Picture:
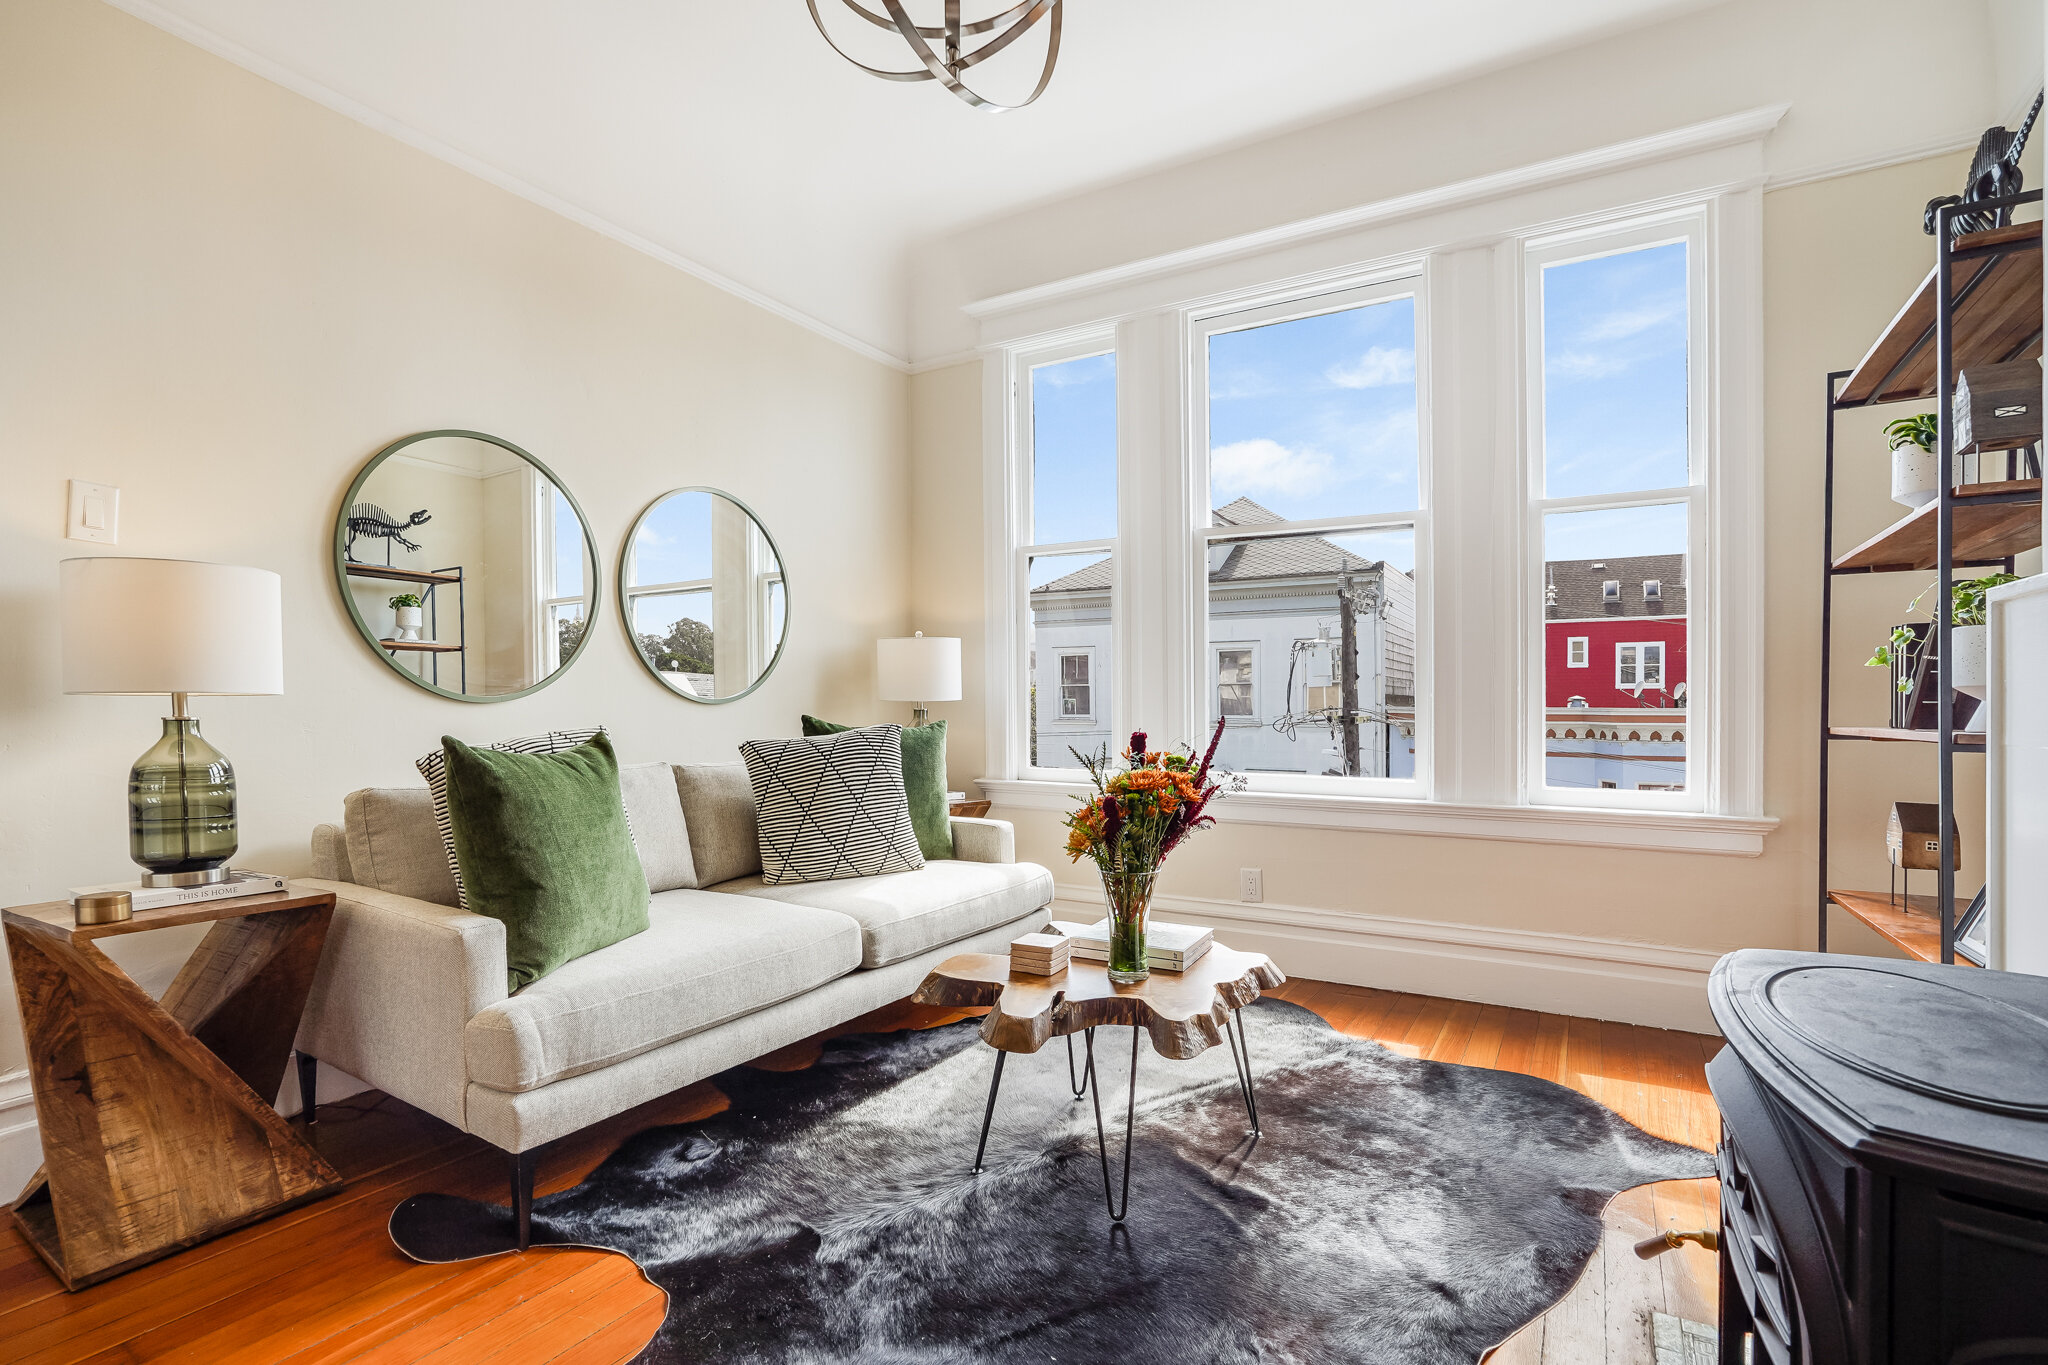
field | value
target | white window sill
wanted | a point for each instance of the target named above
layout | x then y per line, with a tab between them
1737	836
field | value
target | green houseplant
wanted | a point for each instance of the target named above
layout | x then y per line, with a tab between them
1913	464
1967	642
411	615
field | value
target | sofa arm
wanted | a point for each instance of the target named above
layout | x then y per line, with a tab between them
984	841
330	854
398	980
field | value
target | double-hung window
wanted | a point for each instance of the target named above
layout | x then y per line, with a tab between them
560	559
1617	495
1066	560
1308	536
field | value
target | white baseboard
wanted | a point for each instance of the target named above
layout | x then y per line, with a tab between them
21	1150
1595	978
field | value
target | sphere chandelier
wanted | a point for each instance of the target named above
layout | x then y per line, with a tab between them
950	64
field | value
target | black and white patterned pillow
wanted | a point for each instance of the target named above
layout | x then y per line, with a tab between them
832	806
434	767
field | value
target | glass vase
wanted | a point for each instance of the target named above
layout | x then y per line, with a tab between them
1130	900
181	803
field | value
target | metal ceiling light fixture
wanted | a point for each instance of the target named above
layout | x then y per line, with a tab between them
950	65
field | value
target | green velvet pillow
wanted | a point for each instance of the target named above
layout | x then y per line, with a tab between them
924	781
544	848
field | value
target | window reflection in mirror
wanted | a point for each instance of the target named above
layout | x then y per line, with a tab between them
466	565
702	590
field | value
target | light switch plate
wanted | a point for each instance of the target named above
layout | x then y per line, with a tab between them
94	513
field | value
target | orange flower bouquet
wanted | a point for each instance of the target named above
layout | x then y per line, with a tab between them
1145	802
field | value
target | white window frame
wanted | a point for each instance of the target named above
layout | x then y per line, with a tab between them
1578	651
1216	651
549	641
1470	243
1692	227
1653	590
1061	716
1015	405
1402	281
1640	653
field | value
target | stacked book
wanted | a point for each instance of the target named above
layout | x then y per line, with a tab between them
1040	954
239	882
1168	947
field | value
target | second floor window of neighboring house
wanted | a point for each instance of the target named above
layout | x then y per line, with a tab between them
1077	695
1576	652
1639	665
1234	682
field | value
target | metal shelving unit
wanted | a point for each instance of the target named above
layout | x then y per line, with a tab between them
431	580
1980	305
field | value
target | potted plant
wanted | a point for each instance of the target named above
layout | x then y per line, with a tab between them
1968	668
1145	802
410	615
1913	474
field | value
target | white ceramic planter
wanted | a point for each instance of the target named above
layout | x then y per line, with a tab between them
1913	481
409	621
1969	647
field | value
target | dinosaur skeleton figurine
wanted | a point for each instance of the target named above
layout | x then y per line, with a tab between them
368	519
1994	174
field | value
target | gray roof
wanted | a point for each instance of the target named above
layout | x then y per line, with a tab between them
1574	588
1248	560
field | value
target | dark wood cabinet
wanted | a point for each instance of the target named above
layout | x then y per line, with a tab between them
1884	1161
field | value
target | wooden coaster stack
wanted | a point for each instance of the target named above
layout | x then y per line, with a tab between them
1040	954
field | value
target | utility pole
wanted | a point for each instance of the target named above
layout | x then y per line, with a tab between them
1347	673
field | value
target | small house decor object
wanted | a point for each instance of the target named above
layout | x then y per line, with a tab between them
1145	802
1997	407
411	615
1045	954
367	519
1911	840
1994	174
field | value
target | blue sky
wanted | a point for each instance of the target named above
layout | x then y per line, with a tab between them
1073	455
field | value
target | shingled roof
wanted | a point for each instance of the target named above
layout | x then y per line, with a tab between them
1248	561
1574	589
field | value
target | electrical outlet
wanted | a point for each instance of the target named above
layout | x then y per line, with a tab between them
93	513
1251	885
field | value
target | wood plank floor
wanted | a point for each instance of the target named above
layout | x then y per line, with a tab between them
322	1285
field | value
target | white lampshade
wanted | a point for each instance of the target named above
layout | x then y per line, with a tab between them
921	668
156	626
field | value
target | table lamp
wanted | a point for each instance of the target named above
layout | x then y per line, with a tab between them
920	669
153	626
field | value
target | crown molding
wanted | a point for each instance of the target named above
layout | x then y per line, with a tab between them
1855	165
1730	130
255	63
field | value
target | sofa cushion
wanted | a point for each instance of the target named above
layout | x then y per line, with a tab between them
902	914
718	810
703	960
655	811
434	768
394	845
832	806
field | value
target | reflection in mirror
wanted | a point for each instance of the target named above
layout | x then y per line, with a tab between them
466	565
700	585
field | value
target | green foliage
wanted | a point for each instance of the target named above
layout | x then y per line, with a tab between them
405	599
1922	429
687	648
568	635
1966	608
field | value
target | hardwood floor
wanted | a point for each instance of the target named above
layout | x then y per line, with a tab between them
322	1284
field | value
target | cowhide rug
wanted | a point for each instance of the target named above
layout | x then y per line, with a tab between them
1394	1211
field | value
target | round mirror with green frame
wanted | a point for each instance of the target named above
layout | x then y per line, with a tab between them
702	595
466	565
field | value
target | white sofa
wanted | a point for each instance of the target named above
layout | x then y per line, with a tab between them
411	992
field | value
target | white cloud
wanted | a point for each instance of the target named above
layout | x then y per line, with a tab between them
1586	364
1265	466
1627	322
1377	368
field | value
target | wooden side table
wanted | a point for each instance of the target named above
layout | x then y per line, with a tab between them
157	1127
969	810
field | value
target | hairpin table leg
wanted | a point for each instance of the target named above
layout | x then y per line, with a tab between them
1079	1087
1116	1212
988	1114
1241	1058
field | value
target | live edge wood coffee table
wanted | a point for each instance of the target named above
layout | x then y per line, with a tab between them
156	1121
1185	1013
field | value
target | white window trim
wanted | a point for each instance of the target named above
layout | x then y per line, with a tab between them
1471	237
1578	650
1640	647
1216	649
1060	715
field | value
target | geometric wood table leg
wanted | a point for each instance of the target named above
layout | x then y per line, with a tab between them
152	1142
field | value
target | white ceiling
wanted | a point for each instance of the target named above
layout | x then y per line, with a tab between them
726	136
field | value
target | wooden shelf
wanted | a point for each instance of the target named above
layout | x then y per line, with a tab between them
1965	739
419	647
1915	929
400	575
1983	530
1997	318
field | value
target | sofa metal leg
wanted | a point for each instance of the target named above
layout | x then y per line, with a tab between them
522	1196
309	1085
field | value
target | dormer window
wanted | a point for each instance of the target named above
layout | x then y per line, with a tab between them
1610	591
1653	590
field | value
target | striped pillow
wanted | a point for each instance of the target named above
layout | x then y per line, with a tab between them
434	767
832	806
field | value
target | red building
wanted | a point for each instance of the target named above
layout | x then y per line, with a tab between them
1615	633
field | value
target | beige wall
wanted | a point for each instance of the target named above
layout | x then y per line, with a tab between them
224	298
1840	257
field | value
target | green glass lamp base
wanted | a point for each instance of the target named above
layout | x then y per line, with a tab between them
181	808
